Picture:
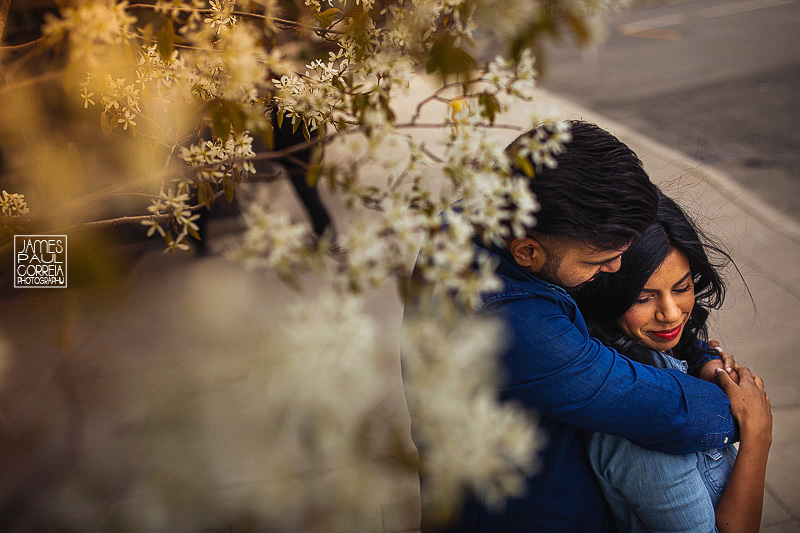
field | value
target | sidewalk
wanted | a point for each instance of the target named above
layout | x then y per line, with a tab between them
119	330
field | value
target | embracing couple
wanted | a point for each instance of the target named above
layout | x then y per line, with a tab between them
605	304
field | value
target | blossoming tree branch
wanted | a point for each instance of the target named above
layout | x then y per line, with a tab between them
148	114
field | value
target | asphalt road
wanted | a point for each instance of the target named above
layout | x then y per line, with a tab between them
719	81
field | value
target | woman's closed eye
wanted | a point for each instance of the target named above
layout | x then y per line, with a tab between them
645	297
686	288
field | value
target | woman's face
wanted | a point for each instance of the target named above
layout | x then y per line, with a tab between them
656	319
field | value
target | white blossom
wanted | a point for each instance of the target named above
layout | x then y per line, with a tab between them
272	240
469	438
13	204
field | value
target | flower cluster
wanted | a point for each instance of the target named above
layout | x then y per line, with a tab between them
215	161
450	265
91	25
543	146
13	205
167	80
469	438
221	15
120	99
495	200
171	207
238	72
272	241
333	420
517	81
314	96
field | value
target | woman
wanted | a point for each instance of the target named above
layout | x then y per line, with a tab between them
654	310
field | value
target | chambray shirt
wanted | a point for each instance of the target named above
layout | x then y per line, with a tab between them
654	491
575	383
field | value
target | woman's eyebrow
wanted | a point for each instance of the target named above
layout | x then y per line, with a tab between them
688	274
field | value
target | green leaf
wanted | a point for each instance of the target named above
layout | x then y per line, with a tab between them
315	162
268	135
193	233
313	174
108	121
220	119
202	195
280	120
447	58
384	101
489	106
306	133
327	17
358	103
230	191
579	29
165	40
237	119
525	164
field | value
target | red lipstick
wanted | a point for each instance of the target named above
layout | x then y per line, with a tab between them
669	334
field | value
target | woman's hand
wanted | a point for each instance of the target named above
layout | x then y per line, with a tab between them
726	362
739	510
750	404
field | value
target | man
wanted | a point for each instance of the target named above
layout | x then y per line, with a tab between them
594	204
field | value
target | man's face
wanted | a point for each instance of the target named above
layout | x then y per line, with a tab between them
570	263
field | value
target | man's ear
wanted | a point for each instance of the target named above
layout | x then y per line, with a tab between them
528	252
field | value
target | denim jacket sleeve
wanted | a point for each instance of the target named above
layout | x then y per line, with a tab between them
559	371
705	355
649	490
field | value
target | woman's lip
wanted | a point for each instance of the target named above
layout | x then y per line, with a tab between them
668	334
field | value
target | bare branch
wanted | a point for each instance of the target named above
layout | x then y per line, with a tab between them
20	47
5	5
110	222
284	22
47	76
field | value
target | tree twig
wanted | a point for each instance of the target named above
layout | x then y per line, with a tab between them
5	6
290	23
20	47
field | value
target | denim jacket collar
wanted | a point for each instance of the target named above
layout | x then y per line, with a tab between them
517	281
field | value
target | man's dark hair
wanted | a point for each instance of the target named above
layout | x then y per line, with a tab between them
598	193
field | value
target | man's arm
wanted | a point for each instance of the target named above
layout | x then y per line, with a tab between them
553	367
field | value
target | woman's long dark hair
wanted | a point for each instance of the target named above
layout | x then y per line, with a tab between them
605	300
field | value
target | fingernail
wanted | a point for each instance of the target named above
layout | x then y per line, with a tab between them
729	369
717	371
718	348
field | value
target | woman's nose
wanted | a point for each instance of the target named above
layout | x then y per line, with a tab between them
668	311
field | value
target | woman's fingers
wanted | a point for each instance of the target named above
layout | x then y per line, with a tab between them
728	361
725	382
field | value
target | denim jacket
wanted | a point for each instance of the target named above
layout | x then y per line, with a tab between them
653	491
551	366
